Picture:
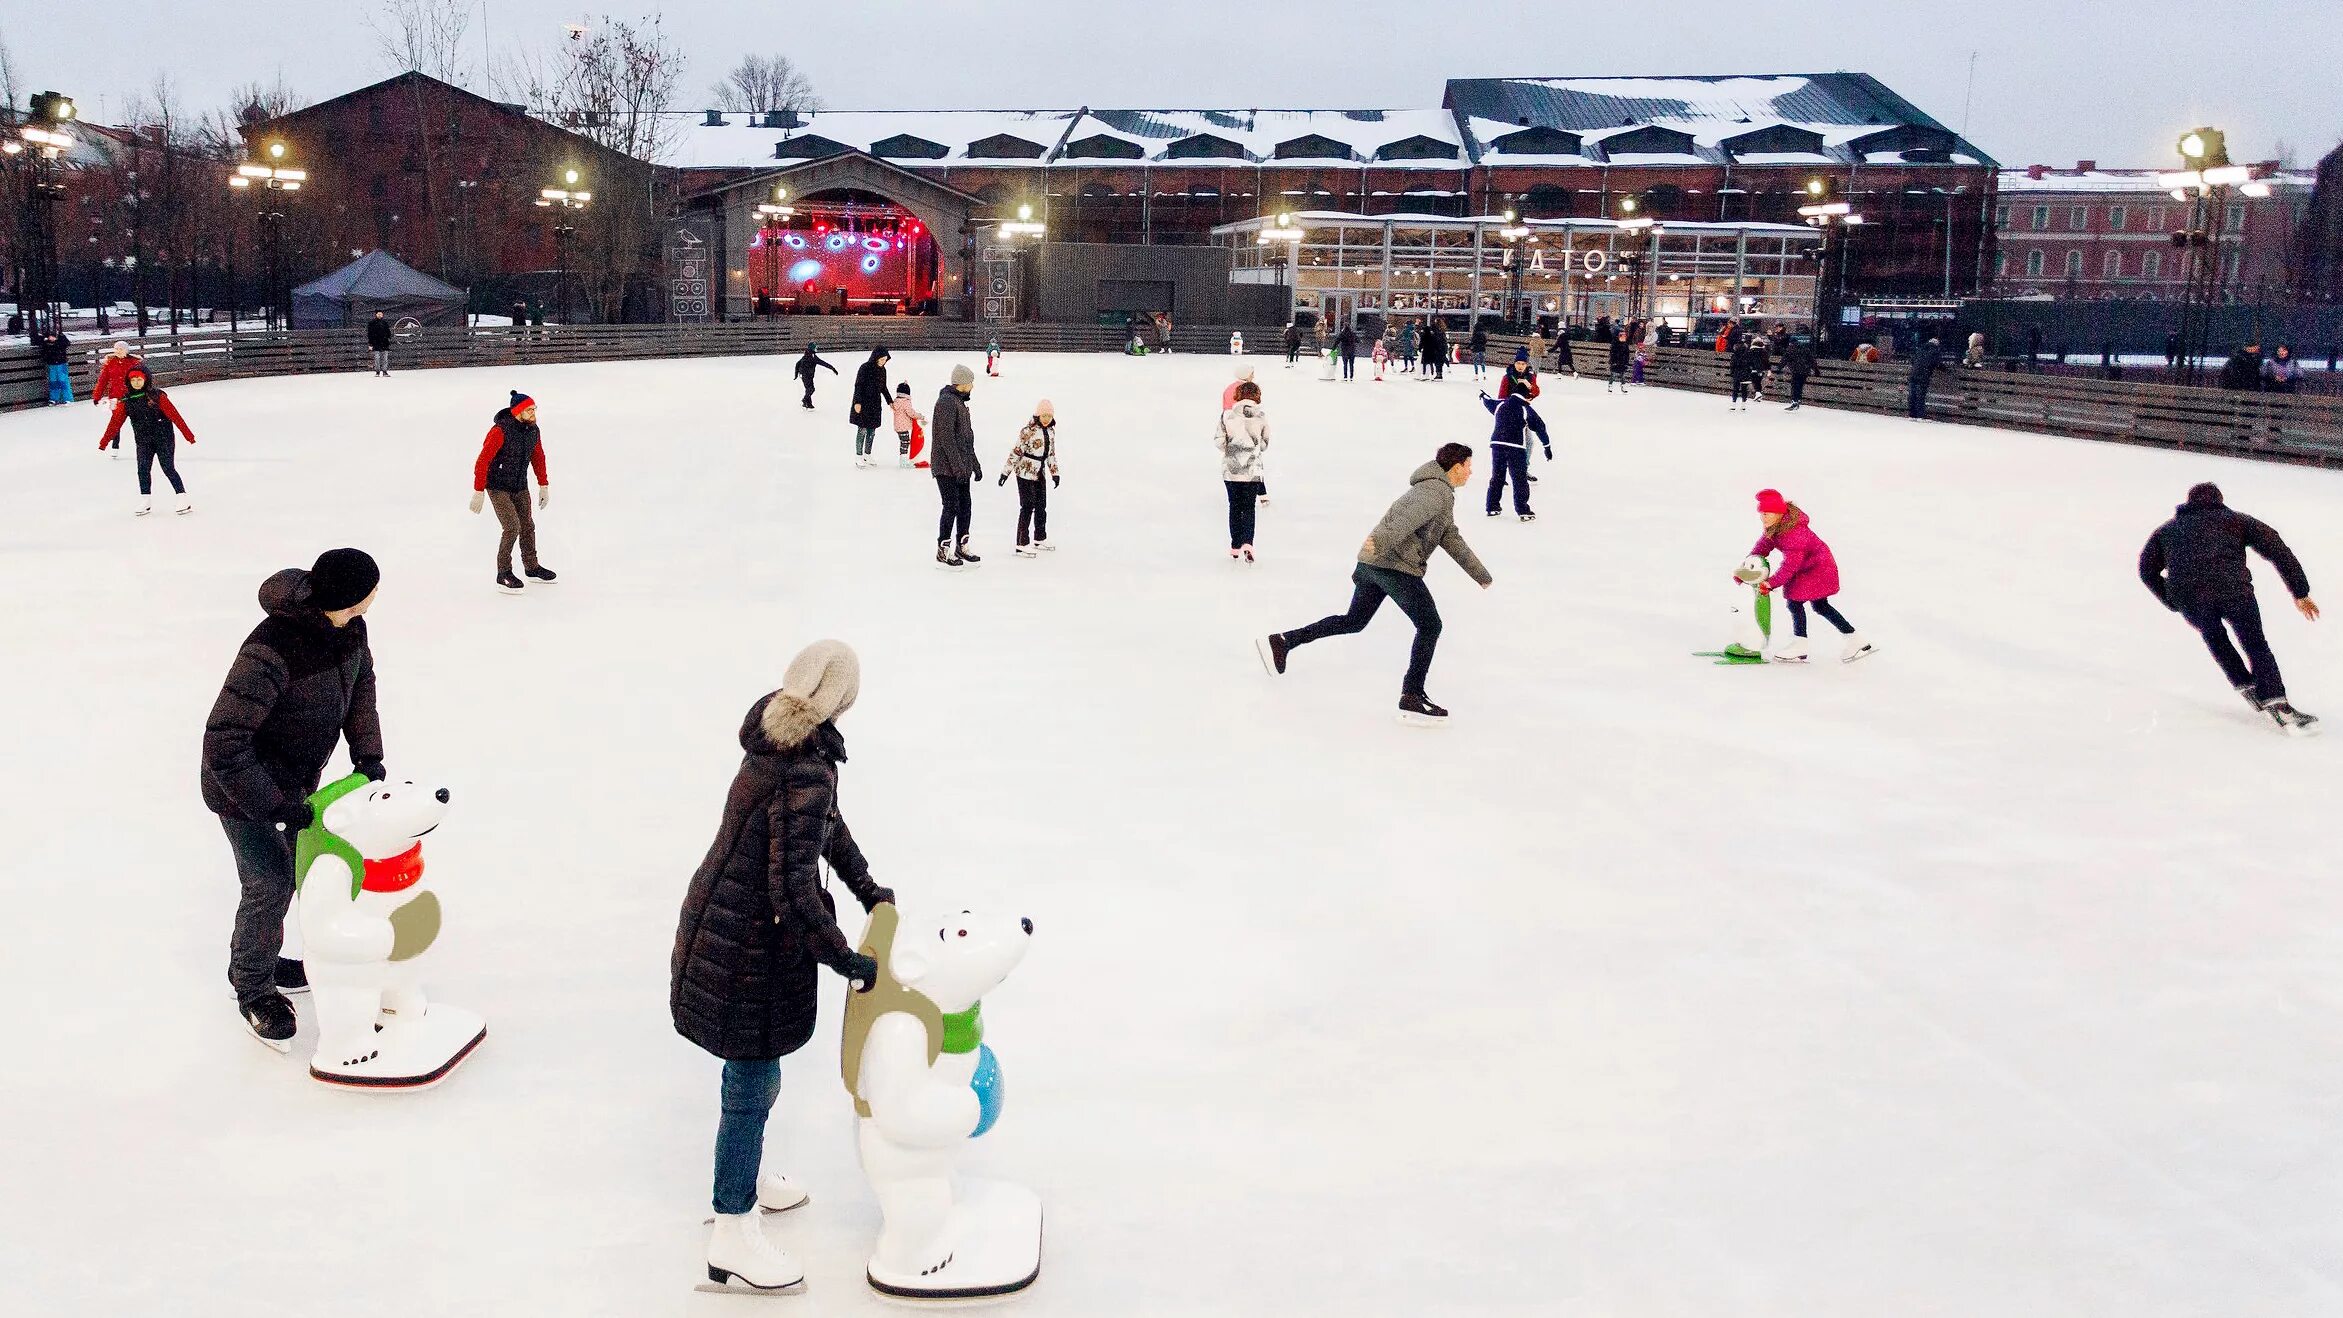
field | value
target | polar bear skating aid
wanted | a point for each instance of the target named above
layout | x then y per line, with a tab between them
367	917
925	1084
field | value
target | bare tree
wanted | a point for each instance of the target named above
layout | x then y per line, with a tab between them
423	36
7	79
762	83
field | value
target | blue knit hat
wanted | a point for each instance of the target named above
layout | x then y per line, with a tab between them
1521	354
520	400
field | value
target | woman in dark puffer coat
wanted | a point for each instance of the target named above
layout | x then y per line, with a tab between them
756	922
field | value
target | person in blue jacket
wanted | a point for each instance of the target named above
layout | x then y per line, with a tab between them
1509	449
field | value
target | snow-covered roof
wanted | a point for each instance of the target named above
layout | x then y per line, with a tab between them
2015	182
1362	134
741	142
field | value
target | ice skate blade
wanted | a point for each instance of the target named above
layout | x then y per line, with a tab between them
412	1056
1268	660
720	1282
273	1045
1865	653
1422	721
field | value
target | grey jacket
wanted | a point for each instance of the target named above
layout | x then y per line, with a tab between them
1423	518
952	448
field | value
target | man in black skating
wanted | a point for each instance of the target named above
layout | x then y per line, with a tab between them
805	371
1293	343
378	342
1346	342
2195	565
1391	565
1799	359
1925	360
303	681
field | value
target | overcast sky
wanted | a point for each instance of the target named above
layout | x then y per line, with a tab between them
2056	80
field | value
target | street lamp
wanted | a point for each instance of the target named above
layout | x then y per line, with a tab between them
1024	226
40	142
2206	176
267	184
568	199
774	211
1282	229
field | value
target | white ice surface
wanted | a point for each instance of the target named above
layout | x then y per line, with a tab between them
1996	975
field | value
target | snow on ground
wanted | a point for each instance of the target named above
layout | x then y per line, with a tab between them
1996	974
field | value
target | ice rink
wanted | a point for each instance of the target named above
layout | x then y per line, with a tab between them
1998	974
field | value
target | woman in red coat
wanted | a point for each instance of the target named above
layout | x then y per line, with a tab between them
113	375
1809	575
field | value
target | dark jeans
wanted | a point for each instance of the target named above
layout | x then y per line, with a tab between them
1032	508
1741	390
1369	587
952	523
750	1089
1243	505
150	454
809	391
1506	460
2243	616
865	440
1822	606
1438	364
1916	399
1292	351
1347	362
1797	387
264	866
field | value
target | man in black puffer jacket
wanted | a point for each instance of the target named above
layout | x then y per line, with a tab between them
303	681
757	922
2195	565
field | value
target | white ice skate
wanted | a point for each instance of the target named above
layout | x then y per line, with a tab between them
143	507
1046	546
1792	651
1026	551
776	1193
1855	647
741	1260
186	505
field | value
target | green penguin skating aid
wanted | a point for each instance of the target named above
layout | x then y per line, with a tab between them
1740	650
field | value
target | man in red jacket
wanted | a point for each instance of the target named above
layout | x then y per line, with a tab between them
511	450
151	416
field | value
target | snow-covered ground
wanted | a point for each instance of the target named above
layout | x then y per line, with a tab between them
1998	974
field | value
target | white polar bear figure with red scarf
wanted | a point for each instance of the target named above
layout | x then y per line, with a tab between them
367	917
925	1085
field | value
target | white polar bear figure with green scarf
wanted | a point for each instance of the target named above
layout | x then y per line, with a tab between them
367	916
925	1085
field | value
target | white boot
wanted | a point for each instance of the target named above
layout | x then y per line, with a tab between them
144	506
740	1258
776	1193
1791	651
186	505
1854	648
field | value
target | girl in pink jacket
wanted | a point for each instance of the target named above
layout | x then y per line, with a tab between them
905	416
1809	575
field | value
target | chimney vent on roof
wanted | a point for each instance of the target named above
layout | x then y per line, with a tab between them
1521	120
2085	166
2036	171
715	119
782	119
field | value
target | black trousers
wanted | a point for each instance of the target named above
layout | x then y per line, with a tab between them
1821	606
1032	509
151	454
1243	505
1507	461
2257	668
952	523
1797	387
1370	586
264	867
1348	361
1292	351
809	391
1916	399
1741	389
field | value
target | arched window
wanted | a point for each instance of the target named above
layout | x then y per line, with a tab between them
2034	264
2074	265
2113	265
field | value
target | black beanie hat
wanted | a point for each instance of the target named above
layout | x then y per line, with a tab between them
341	578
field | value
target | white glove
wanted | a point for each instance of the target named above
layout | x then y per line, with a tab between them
544	494
478	496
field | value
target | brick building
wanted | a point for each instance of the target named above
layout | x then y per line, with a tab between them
2089	232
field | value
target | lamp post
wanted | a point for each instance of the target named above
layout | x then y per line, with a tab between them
268	185
569	200
1282	229
1829	216
1512	233
1635	220
1012	231
2203	183
40	142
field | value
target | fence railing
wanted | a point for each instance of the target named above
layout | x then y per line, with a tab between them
192	357
2280	427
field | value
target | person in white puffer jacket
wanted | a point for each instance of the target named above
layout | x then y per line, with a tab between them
1244	445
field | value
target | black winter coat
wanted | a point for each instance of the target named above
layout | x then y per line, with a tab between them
1799	357
870	392
1924	364
378	336
1620	352
2242	371
757	920
2198	558
298	685
807	363
951	441
56	349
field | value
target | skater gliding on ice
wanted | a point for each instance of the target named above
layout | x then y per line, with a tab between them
2195	565
1031	459
757	924
378	342
1244	444
1509	450
113	375
806	365
953	463
1391	566
512	449
870	406
1807	578
152	417
302	681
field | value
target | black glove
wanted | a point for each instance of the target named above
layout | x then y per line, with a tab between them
861	972
1549	455
371	769
1053	480
1003	480
294	816
879	896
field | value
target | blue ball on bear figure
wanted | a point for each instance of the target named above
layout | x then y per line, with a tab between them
988	1086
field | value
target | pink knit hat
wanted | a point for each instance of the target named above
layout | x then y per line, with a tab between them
1043	408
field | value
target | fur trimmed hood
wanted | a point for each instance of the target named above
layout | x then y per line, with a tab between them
783	724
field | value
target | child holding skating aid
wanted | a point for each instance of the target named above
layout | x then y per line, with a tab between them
1808	577
905	416
1031	458
992	357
